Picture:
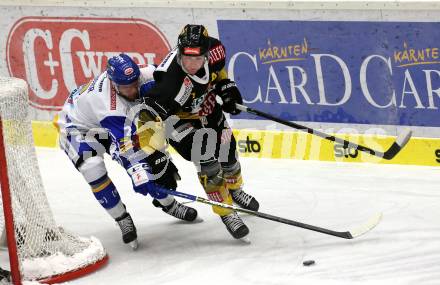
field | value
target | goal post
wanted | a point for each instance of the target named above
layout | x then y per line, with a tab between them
38	248
7	210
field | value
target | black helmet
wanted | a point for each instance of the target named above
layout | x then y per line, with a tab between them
193	40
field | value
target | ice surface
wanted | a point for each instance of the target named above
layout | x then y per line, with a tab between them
403	249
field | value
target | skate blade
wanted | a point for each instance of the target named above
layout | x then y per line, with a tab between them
245	240
134	244
197	220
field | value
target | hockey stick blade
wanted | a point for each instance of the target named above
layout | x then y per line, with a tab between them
346	235
400	142
368	226
392	151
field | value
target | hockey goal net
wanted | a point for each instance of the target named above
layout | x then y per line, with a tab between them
38	248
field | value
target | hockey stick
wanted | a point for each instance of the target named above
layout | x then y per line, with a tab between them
390	153
347	234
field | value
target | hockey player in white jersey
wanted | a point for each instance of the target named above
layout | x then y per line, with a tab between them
102	116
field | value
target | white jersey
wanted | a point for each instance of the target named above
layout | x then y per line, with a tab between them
97	107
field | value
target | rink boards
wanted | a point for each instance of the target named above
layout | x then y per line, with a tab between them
298	145
339	67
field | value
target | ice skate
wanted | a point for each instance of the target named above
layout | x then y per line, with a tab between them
179	211
244	200
236	227
129	234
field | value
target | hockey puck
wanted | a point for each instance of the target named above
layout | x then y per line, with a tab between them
308	262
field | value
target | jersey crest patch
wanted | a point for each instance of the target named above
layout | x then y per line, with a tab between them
184	92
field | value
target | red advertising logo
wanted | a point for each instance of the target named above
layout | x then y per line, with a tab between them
55	55
128	71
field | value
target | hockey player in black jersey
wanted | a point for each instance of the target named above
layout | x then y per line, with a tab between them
186	85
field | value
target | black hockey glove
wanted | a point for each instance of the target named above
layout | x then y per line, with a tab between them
164	171
228	91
